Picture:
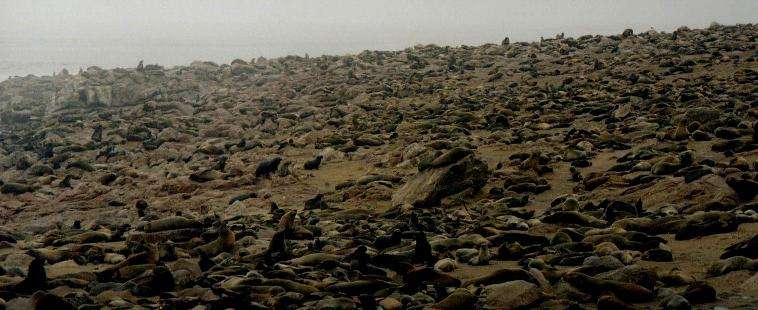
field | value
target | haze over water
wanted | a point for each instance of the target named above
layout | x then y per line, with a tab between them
42	37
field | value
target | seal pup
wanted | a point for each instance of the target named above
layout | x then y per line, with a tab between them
225	242
149	256
316	202
388	241
483	257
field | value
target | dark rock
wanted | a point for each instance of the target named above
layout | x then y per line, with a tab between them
428	187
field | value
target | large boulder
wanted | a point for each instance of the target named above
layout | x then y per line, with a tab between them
511	295
430	186
100	95
702	114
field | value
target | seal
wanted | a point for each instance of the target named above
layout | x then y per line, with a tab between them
747	248
500	276
418	276
44	300
266	167
36	278
313	164
225	242
483	257
422	252
388	241
609	301
359	287
149	256
277	248
625	291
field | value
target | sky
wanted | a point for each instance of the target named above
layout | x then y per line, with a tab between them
115	33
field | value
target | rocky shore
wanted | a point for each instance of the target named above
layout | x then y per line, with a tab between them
599	172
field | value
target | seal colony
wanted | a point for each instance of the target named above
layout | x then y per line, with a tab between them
609	172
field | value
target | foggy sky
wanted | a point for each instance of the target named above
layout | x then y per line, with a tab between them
177	32
424	21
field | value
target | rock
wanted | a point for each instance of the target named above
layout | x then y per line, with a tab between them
512	295
676	302
15	188
428	187
458	299
390	303
702	114
335	304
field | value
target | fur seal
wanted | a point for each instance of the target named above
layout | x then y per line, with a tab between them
700	293
316	202
313	164
141	206
707	223
36	277
501	275
483	257
388	241
609	301
745	188
730	264
42	300
514	250
223	243
418	276
176	235
277	248
422	252
359	287
268	166
574	217
445	265
149	256
625	291
523	238
169	223
449	157
313	259
747	248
